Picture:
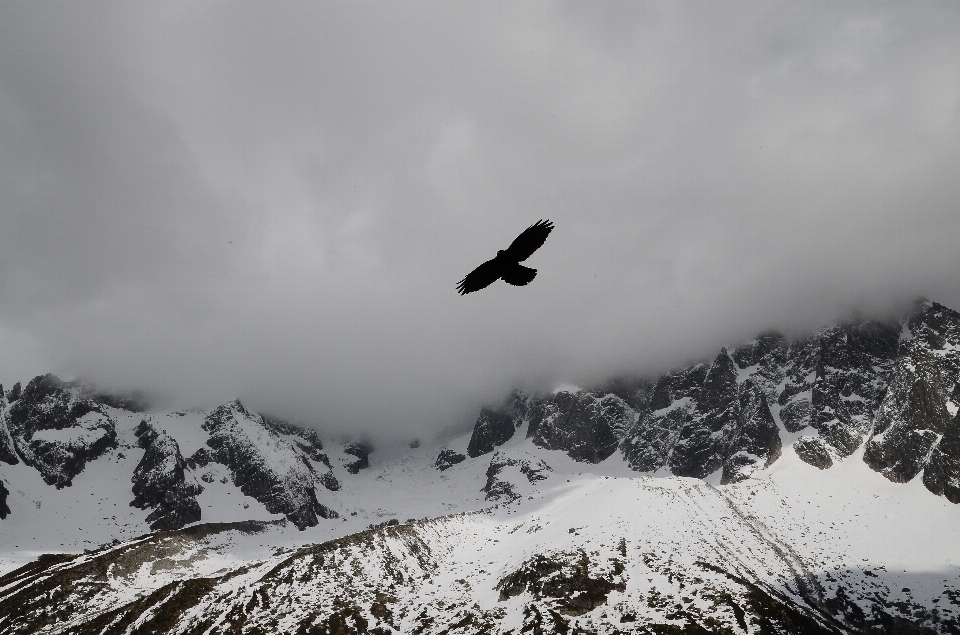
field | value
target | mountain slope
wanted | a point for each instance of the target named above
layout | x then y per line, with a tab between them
802	485
586	552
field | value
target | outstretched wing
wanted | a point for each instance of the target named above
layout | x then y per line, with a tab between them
529	241
518	275
483	276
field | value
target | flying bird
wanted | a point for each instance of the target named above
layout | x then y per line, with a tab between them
507	263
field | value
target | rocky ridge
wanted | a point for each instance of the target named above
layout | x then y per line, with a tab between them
56	430
61	428
162	482
280	473
893	386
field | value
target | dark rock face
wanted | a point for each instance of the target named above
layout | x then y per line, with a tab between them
448	458
703	418
913	421
496	426
4	508
8	452
731	426
14	393
648	444
497	488
307	440
755	441
854	367
767	355
813	450
264	464
160	481
900	380
58	432
329	481
362	451
699	450
587	426
942	473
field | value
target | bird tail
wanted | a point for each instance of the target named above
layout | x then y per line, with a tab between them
518	275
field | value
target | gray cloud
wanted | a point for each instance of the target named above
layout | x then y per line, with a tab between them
276	202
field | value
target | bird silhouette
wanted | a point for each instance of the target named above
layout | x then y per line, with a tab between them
507	265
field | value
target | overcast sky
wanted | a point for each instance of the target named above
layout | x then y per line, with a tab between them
276	201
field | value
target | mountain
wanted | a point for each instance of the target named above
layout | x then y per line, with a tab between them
894	388
785	486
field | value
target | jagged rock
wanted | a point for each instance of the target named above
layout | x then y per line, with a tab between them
200	458
448	458
4	508
795	415
8	452
634	391
160	481
756	441
14	393
56	431
699	450
854	367
648	444
813	450
942	473
362	451
913	415
704	420
648	447
497	488
586	426
263	465
697	418
493	429
305	439
329	481
799	372
767	357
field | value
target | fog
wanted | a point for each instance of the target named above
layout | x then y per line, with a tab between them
275	201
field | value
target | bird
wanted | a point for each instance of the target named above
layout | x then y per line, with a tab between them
507	265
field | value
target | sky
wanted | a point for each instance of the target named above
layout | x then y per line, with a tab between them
275	202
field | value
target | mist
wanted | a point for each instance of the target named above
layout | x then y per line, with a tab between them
275	202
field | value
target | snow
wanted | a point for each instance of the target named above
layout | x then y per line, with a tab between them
90	427
789	517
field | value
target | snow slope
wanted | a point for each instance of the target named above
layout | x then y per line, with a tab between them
667	550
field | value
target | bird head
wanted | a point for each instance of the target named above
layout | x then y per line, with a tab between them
499	252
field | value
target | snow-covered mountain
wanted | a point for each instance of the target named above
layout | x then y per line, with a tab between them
804	486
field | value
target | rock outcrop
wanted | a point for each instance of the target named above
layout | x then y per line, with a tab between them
263	464
448	458
914	425
4	508
362	451
895	386
496	426
587	426
56	431
707	418
161	481
8	452
497	487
